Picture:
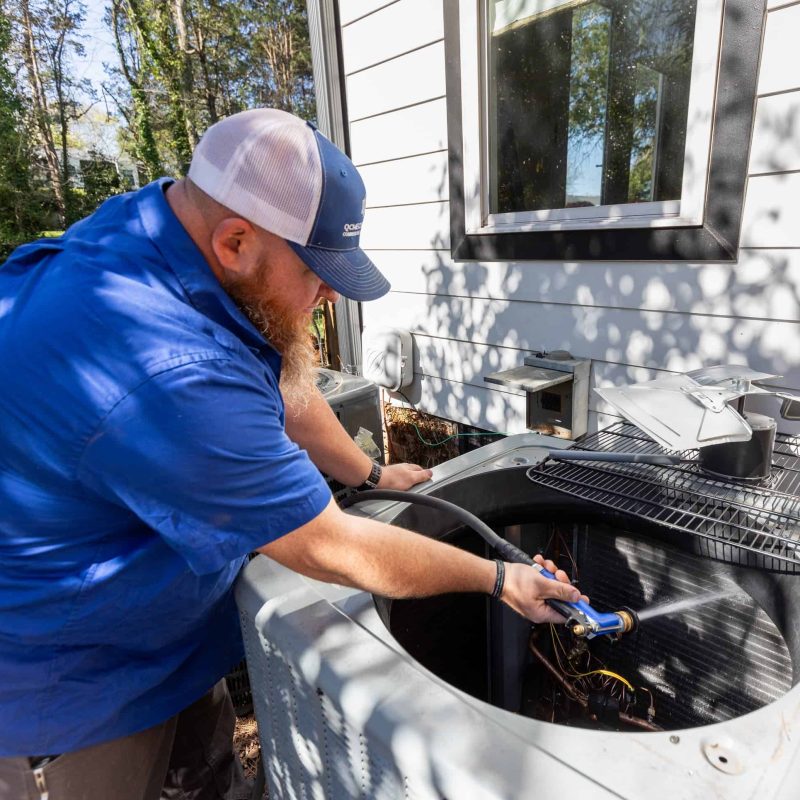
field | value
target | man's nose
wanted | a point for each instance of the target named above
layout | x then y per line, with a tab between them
328	293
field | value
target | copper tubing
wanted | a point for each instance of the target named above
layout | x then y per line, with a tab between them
568	687
639	723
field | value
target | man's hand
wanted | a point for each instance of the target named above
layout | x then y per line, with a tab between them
525	590
403	476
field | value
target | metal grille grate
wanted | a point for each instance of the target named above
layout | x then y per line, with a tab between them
755	524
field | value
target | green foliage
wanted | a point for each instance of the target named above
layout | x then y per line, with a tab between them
21	203
641	181
101	180
589	71
184	64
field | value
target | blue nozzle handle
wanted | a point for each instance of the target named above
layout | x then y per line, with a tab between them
581	612
565	608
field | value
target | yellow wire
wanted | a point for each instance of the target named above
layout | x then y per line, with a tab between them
607	672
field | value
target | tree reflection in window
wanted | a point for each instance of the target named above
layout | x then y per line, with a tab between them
588	101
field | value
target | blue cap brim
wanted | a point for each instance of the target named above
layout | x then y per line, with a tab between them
349	272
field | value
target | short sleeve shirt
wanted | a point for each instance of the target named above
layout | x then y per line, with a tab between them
142	456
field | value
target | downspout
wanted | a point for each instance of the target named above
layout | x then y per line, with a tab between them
329	85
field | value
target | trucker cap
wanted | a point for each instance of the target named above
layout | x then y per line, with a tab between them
282	174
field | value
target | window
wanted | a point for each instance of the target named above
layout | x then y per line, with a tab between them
614	129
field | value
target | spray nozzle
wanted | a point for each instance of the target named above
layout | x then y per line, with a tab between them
595	624
587	623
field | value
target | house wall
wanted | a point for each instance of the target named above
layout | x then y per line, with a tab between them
633	320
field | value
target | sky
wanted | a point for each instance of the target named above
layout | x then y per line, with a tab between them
99	44
94	130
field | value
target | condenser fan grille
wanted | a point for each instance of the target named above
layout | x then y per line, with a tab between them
754	524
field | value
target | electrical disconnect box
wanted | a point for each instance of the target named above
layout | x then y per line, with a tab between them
557	390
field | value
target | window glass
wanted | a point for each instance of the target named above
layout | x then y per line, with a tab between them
587	101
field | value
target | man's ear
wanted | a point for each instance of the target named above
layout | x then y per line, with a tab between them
235	244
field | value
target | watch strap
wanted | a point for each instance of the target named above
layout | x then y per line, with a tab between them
372	479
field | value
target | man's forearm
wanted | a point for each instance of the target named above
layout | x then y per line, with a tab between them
393	562
317	430
396	563
385	560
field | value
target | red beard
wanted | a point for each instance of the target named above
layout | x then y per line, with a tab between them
286	330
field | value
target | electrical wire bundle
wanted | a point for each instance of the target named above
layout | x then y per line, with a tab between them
605	695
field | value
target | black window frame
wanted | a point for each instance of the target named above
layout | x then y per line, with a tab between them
717	239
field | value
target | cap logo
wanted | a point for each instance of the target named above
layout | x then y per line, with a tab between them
352	229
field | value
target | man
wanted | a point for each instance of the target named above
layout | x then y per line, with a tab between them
159	421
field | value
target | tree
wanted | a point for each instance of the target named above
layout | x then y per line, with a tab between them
280	34
181	66
41	104
139	115
49	36
157	30
187	63
20	205
59	38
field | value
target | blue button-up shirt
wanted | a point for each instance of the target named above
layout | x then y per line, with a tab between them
142	456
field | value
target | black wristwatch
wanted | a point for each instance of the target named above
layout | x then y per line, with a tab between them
372	479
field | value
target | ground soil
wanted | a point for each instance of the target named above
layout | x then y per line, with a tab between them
245	741
417	438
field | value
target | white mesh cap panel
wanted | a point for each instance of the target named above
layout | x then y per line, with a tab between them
263	164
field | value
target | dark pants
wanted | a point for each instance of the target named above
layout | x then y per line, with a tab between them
188	757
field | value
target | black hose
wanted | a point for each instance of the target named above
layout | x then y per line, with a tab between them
505	549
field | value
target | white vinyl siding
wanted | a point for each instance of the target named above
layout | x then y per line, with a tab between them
420	129
633	319
416	179
776	141
350	10
413	24
389	85
780	65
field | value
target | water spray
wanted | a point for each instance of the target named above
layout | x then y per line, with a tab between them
686	603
